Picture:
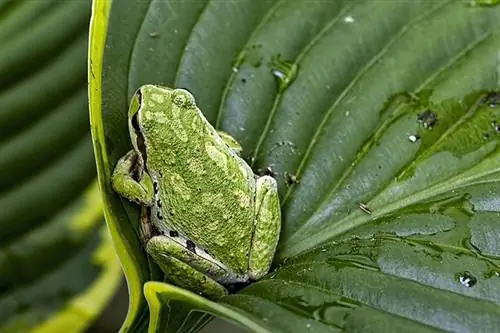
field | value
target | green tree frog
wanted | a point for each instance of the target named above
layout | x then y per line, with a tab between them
208	221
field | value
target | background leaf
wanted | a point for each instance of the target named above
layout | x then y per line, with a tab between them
57	264
378	119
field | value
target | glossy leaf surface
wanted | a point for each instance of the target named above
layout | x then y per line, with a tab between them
379	121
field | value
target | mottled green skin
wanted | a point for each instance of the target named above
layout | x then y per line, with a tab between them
200	192
204	191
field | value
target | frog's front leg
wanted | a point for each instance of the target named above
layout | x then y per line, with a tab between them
267	227
131	182
187	269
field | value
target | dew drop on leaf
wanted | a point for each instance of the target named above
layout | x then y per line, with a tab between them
348	19
284	71
427	118
467	279
495	125
413	138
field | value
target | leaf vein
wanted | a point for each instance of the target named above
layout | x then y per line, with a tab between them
348	88
299	58
231	77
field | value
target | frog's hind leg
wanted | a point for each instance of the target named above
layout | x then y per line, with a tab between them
186	269
131	181
267	227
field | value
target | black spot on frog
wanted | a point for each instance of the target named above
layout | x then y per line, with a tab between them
190	246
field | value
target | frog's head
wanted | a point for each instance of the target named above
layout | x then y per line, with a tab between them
152	111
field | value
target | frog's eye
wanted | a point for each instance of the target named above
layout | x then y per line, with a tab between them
182	98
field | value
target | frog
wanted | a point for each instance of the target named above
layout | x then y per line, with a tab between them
207	220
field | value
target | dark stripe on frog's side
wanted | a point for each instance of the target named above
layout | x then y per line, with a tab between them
190	246
140	140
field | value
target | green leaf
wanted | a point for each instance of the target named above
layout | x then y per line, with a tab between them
379	121
57	265
166	300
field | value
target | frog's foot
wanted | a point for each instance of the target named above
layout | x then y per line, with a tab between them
267	227
130	182
231	142
187	269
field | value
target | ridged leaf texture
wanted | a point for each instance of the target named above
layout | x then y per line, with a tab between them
58	268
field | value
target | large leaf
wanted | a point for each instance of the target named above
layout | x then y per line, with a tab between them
57	265
379	121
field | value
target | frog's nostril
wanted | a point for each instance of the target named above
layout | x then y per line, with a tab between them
180	100
183	98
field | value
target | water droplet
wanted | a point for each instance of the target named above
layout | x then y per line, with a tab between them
154	34
467	279
496	126
347	113
291	178
235	69
284	71
414	138
486	135
427	118
348	19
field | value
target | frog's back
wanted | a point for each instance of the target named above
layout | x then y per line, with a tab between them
208	191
